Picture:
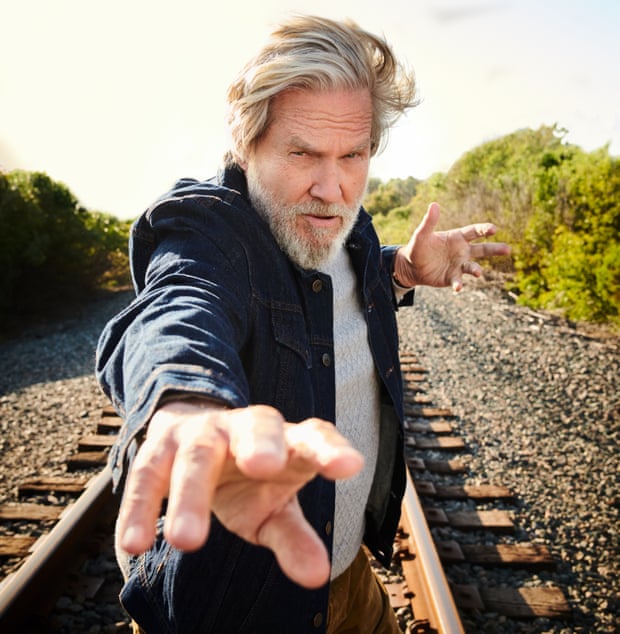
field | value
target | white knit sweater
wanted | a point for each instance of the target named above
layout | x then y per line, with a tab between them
357	408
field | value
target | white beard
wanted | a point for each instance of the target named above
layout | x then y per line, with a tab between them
311	251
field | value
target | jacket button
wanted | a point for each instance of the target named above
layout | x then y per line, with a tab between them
326	360
328	527
317	621
317	286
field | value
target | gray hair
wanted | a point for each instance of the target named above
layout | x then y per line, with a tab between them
316	53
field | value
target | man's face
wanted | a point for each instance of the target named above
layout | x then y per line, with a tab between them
307	174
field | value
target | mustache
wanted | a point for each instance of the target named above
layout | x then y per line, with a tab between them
321	210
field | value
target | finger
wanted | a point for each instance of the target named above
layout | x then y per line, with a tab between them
257	441
489	249
147	485
479	230
469	268
472	268
457	284
319	443
302	556
196	470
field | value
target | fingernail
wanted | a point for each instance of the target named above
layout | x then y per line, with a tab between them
133	537
187	527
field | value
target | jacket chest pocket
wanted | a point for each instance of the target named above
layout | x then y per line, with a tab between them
291	363
289	333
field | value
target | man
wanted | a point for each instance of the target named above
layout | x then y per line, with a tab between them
257	369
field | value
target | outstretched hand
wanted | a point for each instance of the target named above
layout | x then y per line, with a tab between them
441	258
244	465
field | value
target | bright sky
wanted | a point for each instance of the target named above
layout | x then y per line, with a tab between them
118	99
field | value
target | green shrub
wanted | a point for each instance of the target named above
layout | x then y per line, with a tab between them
53	250
555	204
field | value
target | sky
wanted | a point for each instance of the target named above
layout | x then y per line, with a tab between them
119	99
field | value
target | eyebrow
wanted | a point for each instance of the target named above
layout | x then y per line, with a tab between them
295	141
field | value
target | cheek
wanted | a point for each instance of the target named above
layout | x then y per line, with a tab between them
290	186
358	178
355	189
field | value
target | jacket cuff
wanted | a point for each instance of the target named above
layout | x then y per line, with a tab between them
170	380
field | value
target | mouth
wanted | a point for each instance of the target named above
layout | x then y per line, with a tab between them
322	222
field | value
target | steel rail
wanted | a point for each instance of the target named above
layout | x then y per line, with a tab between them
20	592
438	598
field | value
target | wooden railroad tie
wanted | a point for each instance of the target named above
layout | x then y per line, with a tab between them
16	545
58	484
479	493
437	466
436	443
439	427
495	520
522	555
417	411
109	425
96	442
87	460
29	512
521	603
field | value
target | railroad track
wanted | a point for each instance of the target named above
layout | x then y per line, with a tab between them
447	526
48	537
454	529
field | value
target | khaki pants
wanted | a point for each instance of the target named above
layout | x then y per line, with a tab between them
358	603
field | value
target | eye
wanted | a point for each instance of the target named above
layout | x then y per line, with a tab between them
356	155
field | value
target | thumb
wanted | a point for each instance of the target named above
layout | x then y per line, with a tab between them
301	554
429	221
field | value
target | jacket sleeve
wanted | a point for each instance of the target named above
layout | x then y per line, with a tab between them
184	330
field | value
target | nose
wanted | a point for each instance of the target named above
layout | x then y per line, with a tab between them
326	183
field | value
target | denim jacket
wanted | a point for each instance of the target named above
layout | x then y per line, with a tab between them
220	311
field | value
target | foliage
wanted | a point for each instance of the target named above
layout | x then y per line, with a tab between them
393	226
570	255
555	204
52	249
383	197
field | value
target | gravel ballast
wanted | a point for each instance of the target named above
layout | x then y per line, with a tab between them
538	405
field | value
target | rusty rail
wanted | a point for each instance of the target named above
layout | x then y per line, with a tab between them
41	570
433	590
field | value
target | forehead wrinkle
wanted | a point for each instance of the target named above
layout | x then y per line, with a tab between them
309	133
348	120
307	108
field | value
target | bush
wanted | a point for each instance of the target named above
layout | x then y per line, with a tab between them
53	250
555	204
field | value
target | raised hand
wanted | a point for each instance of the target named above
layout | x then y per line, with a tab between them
440	258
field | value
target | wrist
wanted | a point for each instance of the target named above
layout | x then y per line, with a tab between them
179	401
401	272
